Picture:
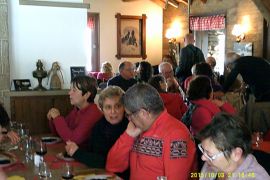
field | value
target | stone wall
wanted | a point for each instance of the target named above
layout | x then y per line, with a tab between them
4	51
235	11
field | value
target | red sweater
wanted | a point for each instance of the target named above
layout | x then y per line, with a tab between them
204	113
174	104
165	149
77	125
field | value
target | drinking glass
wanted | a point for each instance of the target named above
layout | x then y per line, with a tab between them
161	178
67	171
41	149
44	171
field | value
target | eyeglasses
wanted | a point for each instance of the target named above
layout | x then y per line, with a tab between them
211	158
128	116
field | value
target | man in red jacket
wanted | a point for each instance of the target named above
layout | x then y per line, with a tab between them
154	143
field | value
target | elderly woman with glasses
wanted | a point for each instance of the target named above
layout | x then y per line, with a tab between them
226	150
105	132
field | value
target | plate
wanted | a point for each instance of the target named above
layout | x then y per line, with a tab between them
100	177
64	157
51	140
6	159
93	176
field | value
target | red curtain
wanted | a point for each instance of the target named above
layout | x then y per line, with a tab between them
207	23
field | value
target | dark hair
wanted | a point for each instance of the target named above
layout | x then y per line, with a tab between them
146	71
199	87
228	132
4	118
143	96
203	69
86	84
155	82
121	66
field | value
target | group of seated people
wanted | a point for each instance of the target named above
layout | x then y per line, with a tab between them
142	128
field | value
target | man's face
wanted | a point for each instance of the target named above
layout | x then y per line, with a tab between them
138	118
167	71
128	71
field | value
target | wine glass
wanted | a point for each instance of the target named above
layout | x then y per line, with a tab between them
67	171
41	149
44	171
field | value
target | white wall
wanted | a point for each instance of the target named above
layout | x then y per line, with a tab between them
47	33
107	10
59	34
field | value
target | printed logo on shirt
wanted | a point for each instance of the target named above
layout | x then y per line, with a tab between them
149	146
178	149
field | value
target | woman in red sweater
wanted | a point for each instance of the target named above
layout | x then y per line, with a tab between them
77	125
173	101
200	94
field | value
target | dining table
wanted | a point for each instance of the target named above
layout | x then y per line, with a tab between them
22	167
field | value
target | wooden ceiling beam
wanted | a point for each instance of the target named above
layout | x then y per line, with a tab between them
263	9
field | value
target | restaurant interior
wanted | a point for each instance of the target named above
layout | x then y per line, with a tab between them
43	38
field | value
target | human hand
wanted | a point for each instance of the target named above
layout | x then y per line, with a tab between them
13	136
71	147
132	130
53	113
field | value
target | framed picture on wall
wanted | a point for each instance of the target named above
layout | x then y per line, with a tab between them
131	35
77	71
243	49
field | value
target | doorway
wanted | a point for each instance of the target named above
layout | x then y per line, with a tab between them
212	43
93	25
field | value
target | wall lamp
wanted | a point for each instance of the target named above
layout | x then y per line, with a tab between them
238	32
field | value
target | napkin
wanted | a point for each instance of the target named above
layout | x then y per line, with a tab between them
15	178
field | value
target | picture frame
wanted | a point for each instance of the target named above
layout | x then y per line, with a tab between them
243	49
77	71
22	84
131	36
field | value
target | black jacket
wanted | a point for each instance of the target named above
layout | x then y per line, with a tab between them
254	71
189	56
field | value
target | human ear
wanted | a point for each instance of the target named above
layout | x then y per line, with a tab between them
237	154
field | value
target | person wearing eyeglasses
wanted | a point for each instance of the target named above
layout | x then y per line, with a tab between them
126	77
226	151
154	143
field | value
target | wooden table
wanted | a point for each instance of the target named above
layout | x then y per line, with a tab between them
30	171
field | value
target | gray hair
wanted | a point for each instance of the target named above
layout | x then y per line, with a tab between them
109	92
143	96
161	65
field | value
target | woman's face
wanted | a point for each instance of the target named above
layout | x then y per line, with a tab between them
76	97
113	110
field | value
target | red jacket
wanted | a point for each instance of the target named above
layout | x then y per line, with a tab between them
165	149
174	104
204	113
77	125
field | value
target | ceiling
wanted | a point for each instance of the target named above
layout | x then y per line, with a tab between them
262	5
